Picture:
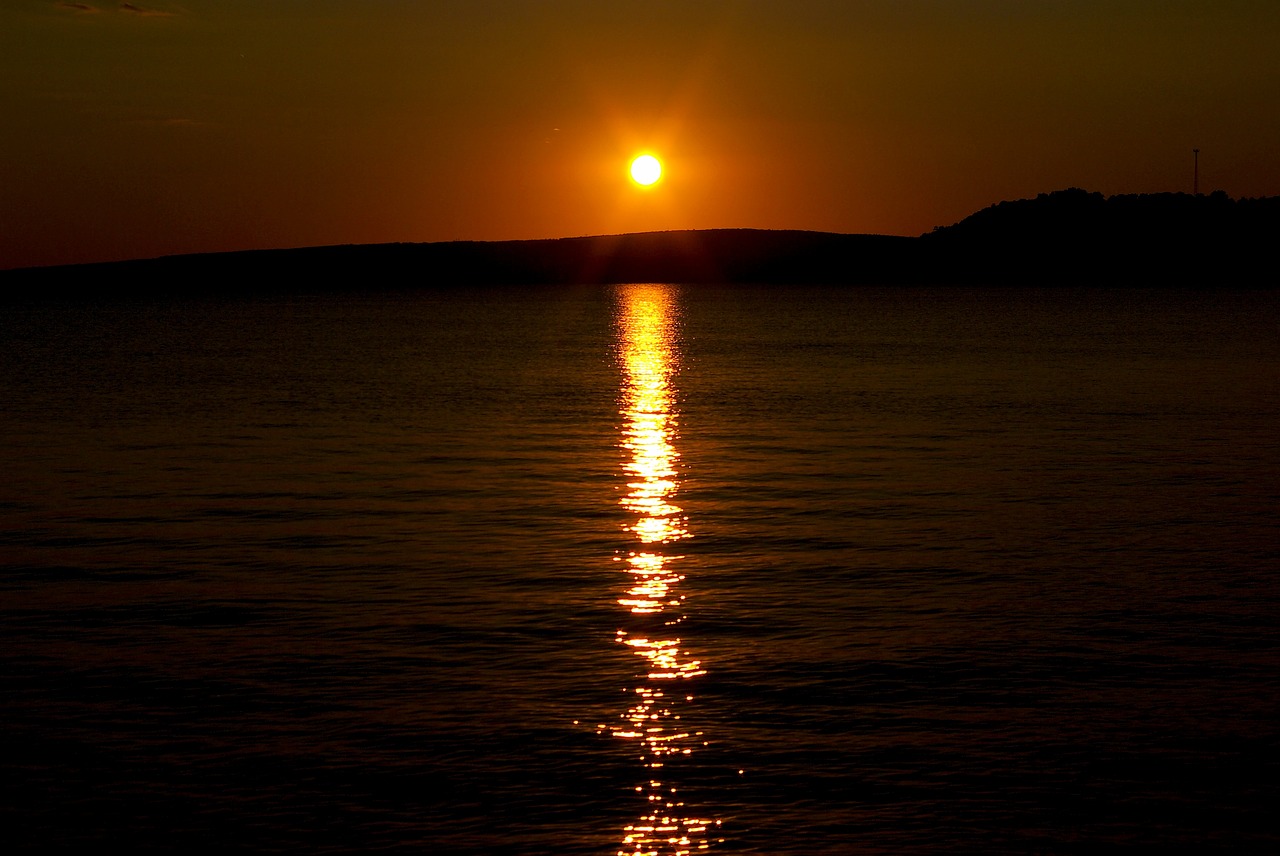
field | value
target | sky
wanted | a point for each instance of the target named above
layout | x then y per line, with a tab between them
133	130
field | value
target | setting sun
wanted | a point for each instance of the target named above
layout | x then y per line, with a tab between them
646	170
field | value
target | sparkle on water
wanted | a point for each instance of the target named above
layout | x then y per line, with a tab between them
666	826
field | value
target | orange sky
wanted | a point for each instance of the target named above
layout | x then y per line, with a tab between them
163	127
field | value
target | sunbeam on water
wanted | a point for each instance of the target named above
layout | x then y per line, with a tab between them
657	721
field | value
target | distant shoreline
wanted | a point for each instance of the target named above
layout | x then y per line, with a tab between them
1066	237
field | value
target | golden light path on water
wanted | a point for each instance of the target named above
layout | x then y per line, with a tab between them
653	602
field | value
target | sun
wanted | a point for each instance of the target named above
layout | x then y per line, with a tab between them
646	170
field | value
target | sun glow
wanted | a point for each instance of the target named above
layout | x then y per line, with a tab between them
646	170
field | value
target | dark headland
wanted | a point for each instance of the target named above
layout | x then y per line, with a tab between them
1066	237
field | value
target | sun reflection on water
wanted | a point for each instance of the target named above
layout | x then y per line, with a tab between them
654	606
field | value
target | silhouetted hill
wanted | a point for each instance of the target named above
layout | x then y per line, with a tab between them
715	255
1076	236
1070	236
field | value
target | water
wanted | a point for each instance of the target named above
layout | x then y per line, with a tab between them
850	570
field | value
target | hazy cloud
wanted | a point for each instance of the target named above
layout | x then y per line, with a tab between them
130	8
144	11
170	122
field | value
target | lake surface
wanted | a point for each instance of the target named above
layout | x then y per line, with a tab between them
643	569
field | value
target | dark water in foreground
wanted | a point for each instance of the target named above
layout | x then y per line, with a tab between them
590	570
